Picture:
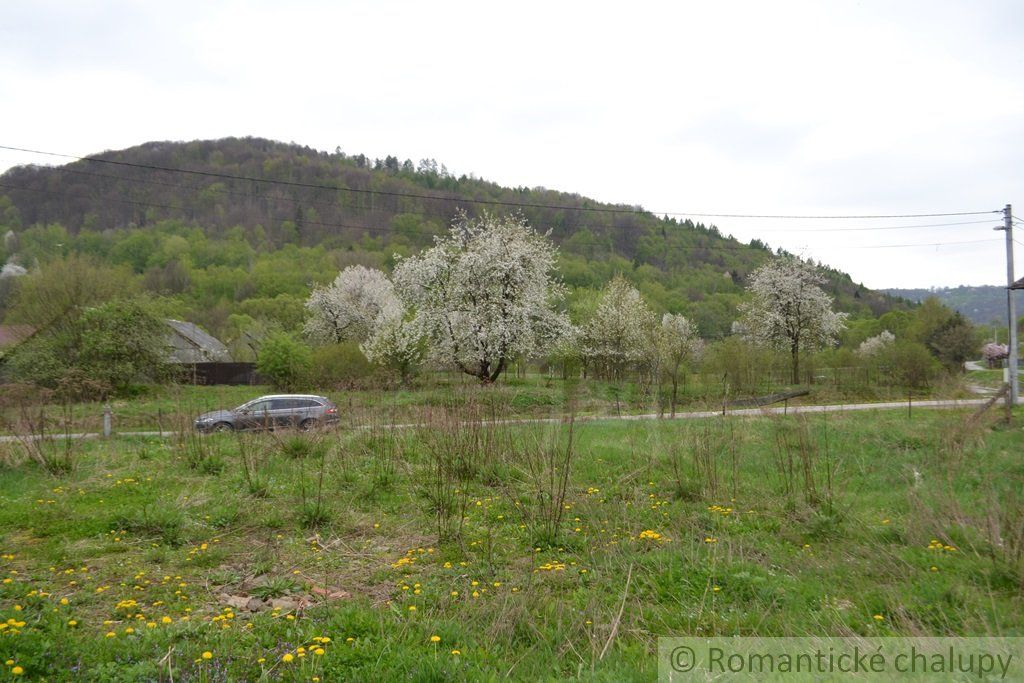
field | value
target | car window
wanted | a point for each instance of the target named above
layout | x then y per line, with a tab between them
284	404
308	403
259	407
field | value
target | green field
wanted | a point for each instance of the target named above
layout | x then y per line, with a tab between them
461	551
173	407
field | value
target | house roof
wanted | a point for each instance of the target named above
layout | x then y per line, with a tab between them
1019	284
11	335
191	344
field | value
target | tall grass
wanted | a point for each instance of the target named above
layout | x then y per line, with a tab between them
544	465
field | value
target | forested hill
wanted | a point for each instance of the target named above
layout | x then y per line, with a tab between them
233	225
982	304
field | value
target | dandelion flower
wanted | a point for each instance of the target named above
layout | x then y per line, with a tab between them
879	617
456	653
207	655
288	657
435	639
17	671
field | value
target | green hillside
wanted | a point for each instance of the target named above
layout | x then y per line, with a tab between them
982	304
237	230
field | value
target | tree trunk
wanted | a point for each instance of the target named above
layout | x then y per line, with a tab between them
497	371
795	351
675	384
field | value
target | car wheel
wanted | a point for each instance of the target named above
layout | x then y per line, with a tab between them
307	424
221	427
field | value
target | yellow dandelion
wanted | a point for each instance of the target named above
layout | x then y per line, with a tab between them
207	655
435	639
17	671
288	657
456	652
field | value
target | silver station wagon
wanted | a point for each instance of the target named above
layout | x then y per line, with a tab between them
277	411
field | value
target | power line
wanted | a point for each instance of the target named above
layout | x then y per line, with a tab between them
888	227
362	227
928	244
489	202
251	195
576	243
224	190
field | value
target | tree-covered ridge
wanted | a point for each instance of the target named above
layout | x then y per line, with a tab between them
243	237
981	304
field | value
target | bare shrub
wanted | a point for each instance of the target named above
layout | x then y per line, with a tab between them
697	461
45	438
464	441
383	446
307	448
804	461
253	454
544	466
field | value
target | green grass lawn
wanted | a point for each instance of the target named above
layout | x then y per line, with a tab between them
173	407
300	557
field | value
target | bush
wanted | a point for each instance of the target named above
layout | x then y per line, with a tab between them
913	364
100	350
344	365
285	362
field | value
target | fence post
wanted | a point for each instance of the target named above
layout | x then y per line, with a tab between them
106	420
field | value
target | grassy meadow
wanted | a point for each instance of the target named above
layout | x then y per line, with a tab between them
460	550
532	395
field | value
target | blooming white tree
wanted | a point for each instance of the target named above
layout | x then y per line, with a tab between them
994	353
789	310
349	308
395	343
485	294
621	329
873	346
678	345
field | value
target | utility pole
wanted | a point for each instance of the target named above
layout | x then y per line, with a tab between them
1011	310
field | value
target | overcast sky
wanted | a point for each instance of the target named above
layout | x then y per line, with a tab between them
795	108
